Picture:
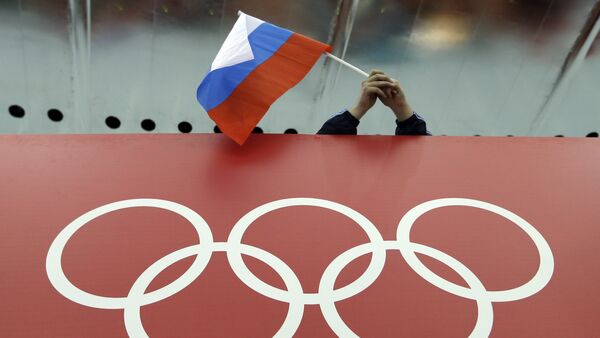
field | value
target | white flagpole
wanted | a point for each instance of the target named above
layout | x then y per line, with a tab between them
354	68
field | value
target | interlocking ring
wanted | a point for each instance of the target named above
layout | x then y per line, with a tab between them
327	295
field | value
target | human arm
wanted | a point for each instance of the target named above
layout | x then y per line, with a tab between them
346	122
407	122
414	125
341	124
388	90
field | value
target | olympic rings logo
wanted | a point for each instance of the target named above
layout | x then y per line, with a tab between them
327	295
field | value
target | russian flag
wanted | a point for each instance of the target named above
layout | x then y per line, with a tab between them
256	65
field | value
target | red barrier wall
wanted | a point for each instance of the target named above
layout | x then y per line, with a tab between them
497	212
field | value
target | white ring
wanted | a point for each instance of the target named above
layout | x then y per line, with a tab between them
131	315
538	282
62	284
485	311
241	270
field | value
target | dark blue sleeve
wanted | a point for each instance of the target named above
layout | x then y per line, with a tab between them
341	124
414	125
346	124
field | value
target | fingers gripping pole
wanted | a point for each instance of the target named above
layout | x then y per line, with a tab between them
354	68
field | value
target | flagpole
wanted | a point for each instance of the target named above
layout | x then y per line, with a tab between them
354	68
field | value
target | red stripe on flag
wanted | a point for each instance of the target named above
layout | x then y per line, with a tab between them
240	113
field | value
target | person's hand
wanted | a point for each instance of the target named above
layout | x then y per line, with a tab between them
388	90
371	89
394	98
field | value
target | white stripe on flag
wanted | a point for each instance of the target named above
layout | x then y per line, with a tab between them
236	48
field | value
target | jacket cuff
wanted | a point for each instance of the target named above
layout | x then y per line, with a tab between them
409	121
349	118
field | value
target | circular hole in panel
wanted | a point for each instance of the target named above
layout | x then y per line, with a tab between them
148	125
113	122
184	127
55	115
16	111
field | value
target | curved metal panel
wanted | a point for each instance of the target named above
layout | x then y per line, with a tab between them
490	67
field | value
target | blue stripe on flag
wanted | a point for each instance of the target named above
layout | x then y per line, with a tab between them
218	85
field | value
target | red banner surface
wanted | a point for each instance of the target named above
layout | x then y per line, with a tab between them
310	236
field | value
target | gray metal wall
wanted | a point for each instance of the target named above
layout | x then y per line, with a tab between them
489	67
